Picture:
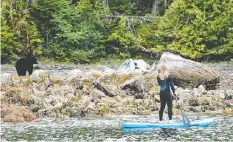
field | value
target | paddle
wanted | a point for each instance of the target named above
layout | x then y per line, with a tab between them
185	119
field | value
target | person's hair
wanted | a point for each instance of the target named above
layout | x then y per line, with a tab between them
163	72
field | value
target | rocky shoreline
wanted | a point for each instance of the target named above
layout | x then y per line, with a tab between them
101	90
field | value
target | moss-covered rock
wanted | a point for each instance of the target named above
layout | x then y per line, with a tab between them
194	101
145	112
228	111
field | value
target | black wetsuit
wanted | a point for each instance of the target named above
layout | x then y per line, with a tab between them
165	96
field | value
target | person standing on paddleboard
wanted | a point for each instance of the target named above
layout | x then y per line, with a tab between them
165	81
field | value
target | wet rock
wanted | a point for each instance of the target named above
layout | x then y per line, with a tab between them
135	111
201	90
91	105
127	100
75	112
95	93
229	95
6	79
194	109
134	85
51	111
77	83
141	95
210	92
205	101
179	90
220	93
127	67
118	98
148	82
42	86
86	99
194	101
141	65
50	100
2	95
134	66
229	104
61	90
39	75
195	92
157	98
69	95
37	92
58	106
34	100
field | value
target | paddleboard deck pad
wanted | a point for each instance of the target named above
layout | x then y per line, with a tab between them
199	123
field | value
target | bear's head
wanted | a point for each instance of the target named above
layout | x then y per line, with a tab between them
34	60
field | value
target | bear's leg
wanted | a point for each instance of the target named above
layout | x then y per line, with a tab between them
30	69
21	71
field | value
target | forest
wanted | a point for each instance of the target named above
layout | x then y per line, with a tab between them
87	31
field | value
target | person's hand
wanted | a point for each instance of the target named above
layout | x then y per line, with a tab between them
173	97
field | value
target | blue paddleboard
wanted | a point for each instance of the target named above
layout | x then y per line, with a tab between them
199	123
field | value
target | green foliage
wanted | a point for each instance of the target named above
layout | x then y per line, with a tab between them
83	31
7	42
19	34
198	29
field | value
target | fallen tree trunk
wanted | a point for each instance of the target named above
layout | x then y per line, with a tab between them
188	73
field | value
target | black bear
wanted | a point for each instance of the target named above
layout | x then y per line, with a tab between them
25	64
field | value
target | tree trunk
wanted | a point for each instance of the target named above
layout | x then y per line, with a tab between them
154	8
187	73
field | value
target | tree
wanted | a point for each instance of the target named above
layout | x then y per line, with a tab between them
197	29
77	30
19	34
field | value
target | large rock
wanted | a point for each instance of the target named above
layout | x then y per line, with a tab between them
188	73
134	87
38	75
42	78
6	79
141	65
134	66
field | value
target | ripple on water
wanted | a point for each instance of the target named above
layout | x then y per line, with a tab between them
109	129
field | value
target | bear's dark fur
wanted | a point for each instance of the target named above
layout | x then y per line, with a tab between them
26	64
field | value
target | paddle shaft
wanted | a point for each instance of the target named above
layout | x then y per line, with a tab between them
186	120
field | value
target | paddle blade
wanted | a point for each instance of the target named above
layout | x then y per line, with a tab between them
185	119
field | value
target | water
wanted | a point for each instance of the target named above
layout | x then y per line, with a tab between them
109	129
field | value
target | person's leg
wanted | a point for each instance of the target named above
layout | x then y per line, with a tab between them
162	106
169	105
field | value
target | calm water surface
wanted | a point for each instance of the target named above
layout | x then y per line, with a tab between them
109	129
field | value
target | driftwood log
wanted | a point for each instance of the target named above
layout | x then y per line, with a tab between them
188	73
